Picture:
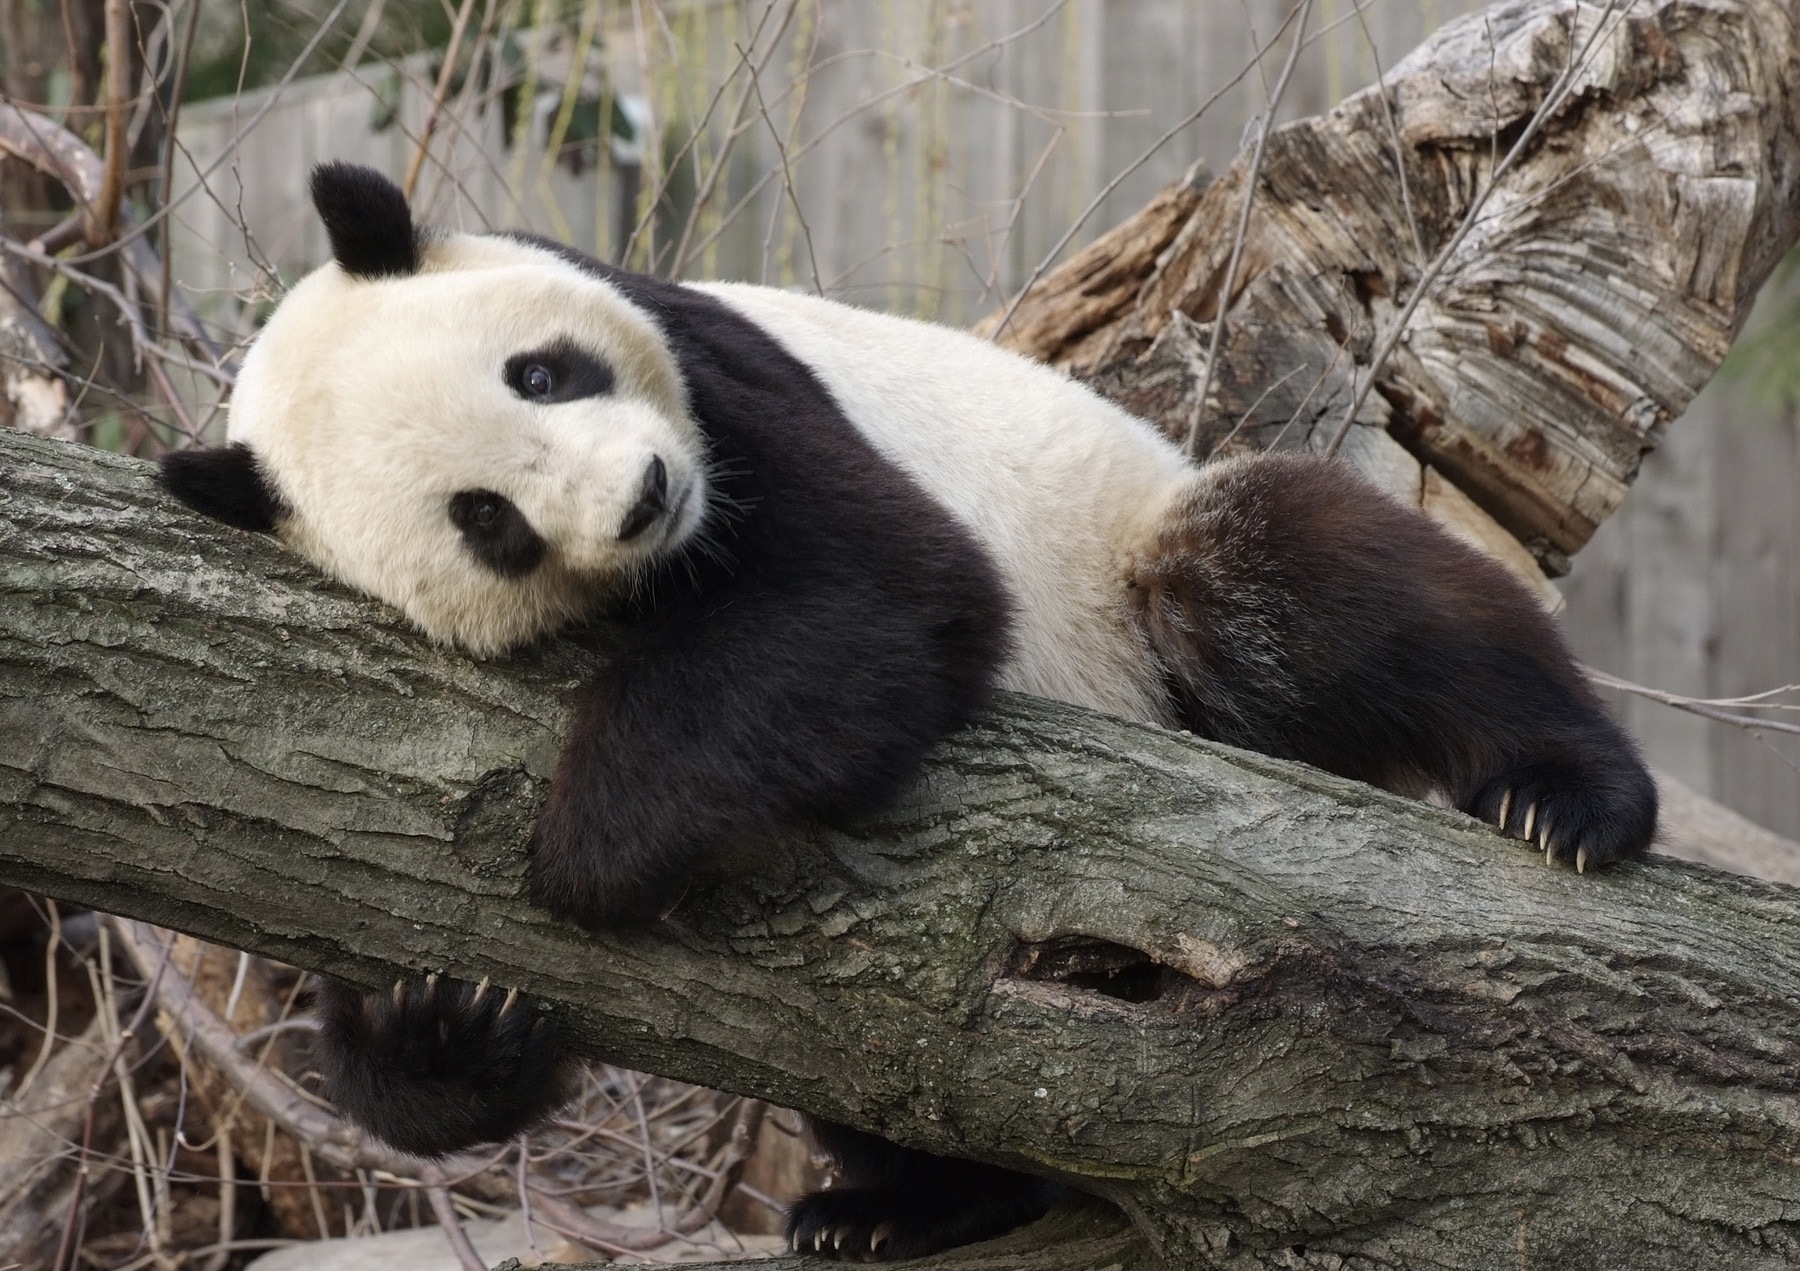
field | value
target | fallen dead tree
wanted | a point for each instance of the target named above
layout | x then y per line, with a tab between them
1520	258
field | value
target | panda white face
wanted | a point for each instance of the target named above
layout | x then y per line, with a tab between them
490	443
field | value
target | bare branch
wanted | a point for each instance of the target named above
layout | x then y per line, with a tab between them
439	1194
1712	708
739	125
1227	284
446	75
104	223
58	153
212	1039
787	173
1387	111
170	206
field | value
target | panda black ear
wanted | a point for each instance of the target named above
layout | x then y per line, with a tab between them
365	214
223	482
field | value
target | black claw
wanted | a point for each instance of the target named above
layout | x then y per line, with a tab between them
437	1066
890	1224
1589	813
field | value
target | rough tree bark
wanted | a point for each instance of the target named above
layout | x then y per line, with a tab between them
1276	1018
1257	1007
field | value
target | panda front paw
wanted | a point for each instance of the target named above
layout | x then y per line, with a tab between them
1586	815
889	1224
583	876
435	1066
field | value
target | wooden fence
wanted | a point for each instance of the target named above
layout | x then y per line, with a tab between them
916	155
1693	587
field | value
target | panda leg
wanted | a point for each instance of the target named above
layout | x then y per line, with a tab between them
1299	612
434	1066
894	1202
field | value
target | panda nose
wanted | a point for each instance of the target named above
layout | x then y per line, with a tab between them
652	501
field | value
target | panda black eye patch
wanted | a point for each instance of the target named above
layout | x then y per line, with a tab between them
561	371
496	532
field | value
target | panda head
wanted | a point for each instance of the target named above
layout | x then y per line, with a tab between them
471	428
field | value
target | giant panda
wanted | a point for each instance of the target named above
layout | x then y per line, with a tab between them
830	535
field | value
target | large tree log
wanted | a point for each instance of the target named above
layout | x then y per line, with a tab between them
1602	282
1255	1006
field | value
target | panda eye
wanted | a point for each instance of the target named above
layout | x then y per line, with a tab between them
557	372
496	532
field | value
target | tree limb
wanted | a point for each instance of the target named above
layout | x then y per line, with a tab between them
1255	1006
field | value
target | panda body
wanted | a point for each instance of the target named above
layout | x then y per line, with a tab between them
1062	489
829	536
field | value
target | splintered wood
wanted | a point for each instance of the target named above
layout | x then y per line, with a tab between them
1581	299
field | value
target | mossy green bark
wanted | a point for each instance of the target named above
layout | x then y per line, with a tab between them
1279	1019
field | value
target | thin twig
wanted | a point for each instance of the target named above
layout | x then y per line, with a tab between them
652	152
1710	708
586	35
230	152
151	68
104	223
137	1134
523	1189
787	175
134	320
59	154
1050	257
221	1254
1393	123
1300	410
637	1105
51	949
739	125
446	74
365	35
437	1192
1244	418
997	252
1243	230
862	107
257	1036
337	1141
152	968
177	91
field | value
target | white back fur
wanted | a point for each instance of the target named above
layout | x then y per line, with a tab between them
1062	487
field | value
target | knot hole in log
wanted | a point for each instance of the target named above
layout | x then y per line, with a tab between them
1096	967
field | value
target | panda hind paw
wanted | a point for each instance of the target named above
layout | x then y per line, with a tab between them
876	1224
1584	819
437	1065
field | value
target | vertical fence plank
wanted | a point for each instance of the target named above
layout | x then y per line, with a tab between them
1757	581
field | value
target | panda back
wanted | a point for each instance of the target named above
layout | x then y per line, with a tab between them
1061	487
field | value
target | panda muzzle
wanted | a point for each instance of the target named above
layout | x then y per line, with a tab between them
652	501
